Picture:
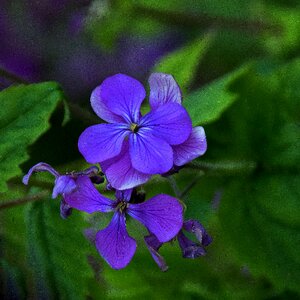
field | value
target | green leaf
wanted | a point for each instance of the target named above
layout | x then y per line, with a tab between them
24	117
259	219
183	63
206	105
57	251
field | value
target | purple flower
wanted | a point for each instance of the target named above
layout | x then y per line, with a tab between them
189	248
132	147
64	184
161	215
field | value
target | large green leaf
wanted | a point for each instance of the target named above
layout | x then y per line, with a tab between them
259	219
57	251
206	104
183	63
24	117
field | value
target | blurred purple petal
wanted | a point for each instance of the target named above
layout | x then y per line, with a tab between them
87	198
101	142
153	244
169	122
197	228
65	209
120	173
90	234
64	184
189	248
163	89
40	167
124	195
123	96
114	244
101	109
149	154
162	215
193	147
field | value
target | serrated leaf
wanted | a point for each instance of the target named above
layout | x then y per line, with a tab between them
183	63
24	116
206	104
57	251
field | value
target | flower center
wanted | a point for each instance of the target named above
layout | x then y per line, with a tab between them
122	206
134	127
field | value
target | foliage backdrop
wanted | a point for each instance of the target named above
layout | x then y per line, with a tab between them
239	68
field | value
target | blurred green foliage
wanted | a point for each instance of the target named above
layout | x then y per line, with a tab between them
240	72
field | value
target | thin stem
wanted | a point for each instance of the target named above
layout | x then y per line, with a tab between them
231	167
190	185
192	20
12	77
174	186
24	200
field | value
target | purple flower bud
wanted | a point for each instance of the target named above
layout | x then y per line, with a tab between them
153	244
189	248
65	209
196	228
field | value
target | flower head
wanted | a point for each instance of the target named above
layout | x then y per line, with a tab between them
131	147
64	184
189	248
161	215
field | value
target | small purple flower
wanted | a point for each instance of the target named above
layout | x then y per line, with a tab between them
64	184
161	215
132	147
189	248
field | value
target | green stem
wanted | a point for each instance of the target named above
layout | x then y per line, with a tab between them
24	200
227	167
12	77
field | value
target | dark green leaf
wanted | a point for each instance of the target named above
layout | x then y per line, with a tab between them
57	252
24	117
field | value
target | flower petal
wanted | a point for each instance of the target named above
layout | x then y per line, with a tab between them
123	96
101	109
65	209
149	154
124	195
153	244
101	142
195	227
169	122
64	184
40	167
162	215
114	244
189	248
120	173
193	147
87	198
163	89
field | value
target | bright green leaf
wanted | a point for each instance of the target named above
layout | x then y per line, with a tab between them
206	104
24	117
183	63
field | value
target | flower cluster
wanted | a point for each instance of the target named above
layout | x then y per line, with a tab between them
130	148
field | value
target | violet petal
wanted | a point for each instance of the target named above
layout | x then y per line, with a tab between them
162	215
120	173
163	89
197	228
40	167
153	244
64	184
123	95
87	198
101	109
170	122
149	154
114	244
189	248
193	147
101	142
65	209
124	195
